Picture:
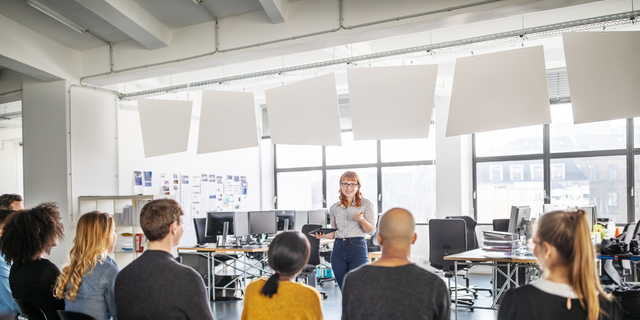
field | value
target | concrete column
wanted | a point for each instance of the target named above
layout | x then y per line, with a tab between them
45	153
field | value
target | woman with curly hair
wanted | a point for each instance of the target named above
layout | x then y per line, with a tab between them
86	283
26	237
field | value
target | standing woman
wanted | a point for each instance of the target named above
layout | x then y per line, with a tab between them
354	218
86	283
570	288
26	238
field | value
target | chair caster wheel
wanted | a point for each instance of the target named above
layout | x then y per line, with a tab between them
324	295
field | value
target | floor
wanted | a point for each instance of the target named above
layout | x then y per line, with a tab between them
332	306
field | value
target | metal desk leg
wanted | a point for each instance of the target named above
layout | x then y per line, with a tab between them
455	281
209	275
517	278
509	276
244	273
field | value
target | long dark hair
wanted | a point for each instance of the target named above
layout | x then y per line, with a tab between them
288	255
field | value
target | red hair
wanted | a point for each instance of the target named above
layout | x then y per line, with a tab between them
350	175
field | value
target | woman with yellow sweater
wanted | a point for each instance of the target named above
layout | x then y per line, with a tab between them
280	297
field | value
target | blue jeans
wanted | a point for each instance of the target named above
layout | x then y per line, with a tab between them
348	254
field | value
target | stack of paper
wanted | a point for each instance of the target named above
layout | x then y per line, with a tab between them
499	241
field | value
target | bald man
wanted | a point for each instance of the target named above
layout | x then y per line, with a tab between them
393	287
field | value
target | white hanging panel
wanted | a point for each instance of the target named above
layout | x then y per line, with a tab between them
165	126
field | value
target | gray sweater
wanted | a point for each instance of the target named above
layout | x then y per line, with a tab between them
405	292
155	286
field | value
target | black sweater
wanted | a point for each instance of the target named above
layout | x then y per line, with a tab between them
34	283
155	286
531	303
404	292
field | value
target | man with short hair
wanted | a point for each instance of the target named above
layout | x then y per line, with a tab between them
10	201
393	287
155	286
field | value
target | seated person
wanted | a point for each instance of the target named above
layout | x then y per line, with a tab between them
10	201
7	305
570	288
86	283
279	297
392	287
26	238
155	286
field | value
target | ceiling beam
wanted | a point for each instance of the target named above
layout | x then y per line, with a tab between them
131	19
275	9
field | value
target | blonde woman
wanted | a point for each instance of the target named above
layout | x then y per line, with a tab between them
86	283
570	289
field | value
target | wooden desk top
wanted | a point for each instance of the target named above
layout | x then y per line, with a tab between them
480	255
251	248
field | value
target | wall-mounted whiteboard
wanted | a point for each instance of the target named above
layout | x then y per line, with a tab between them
305	112
499	90
604	74
391	102
227	121
165	126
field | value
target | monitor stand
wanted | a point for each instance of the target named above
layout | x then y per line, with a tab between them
223	241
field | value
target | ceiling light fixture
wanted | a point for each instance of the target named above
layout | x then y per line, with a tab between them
197	1
53	14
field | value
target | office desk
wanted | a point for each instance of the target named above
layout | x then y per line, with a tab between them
234	255
493	259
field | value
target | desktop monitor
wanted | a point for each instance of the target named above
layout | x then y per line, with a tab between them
318	217
200	225
285	219
591	214
216	222
548	207
262	222
241	224
300	220
519	214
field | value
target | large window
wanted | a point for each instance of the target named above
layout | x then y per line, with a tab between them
585	164
394	173
503	184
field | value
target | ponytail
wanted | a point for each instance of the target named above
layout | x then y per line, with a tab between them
569	233
271	287
583	274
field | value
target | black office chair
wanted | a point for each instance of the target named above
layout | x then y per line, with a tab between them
372	244
29	310
501	225
70	315
447	237
472	243
309	272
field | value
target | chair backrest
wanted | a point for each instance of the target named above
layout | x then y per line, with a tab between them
314	255
446	237
70	315
30	310
200	225
472	239
501	225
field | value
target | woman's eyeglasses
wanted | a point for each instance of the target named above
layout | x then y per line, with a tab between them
351	185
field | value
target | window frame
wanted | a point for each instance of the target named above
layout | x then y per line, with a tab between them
324	167
546	156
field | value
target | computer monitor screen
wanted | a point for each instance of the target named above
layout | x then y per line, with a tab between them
328	218
519	214
318	217
300	220
216	222
200	225
262	222
286	220
591	214
241	223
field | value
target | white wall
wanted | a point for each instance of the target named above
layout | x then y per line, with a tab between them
241	162
11	161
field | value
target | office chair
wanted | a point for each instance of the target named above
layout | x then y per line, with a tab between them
447	237
372	244
309	272
70	315
472	243
501	225
29	310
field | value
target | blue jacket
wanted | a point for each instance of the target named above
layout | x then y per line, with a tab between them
95	296
7	305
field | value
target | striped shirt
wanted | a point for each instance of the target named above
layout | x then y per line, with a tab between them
342	219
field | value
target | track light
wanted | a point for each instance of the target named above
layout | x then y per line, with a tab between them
197	1
53	14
